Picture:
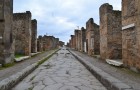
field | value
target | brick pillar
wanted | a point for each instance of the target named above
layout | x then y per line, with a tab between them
110	33
6	34
22	31
34	36
83	39
92	37
76	39
39	44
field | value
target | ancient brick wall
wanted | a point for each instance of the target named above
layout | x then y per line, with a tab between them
110	33
83	39
57	42
74	42
92	37
131	34
79	40
76	38
96	36
34	36
61	43
6	37
49	42
71	41
39	44
22	31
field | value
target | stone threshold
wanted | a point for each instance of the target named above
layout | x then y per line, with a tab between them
21	58
117	63
25	57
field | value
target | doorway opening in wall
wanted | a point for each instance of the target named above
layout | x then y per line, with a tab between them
87	45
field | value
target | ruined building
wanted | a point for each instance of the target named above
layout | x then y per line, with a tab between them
61	43
6	37
92	37
83	39
130	34
47	43
110	33
34	36
22	32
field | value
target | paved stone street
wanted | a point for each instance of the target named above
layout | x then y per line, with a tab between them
61	72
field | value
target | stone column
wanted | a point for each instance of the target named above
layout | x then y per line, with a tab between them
34	36
6	34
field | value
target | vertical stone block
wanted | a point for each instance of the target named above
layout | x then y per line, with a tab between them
76	38
6	35
92	37
110	33
83	39
39	44
22	31
34	36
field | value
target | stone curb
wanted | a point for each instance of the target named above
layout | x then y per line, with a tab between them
106	79
11	81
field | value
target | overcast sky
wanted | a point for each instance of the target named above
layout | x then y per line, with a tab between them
60	17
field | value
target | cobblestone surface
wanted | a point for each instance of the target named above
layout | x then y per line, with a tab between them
124	75
60	72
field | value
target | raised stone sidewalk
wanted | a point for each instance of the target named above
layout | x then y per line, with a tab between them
110	82
8	83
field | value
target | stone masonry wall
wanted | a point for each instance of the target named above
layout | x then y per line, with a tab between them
131	34
110	33
83	39
34	36
79	40
72	41
76	39
96	45
6	37
39	44
92	37
22	31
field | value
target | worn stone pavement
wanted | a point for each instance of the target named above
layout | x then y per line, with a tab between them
61	72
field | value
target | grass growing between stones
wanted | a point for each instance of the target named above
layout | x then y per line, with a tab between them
42	61
32	78
7	66
18	55
135	74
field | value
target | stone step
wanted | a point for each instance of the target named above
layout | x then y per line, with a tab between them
21	58
117	63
